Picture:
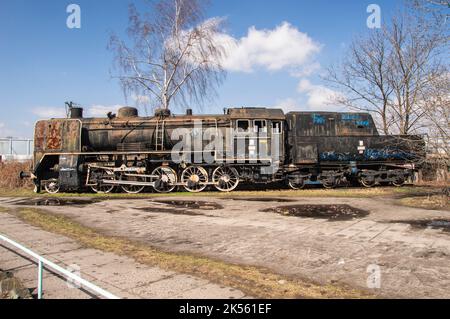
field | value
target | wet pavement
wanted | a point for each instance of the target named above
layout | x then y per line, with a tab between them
56	202
421	224
329	212
327	240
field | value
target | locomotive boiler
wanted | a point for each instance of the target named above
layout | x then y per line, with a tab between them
244	145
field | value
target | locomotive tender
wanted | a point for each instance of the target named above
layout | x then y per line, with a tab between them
132	153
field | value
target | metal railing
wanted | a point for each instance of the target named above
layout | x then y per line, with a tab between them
17	146
42	262
16	149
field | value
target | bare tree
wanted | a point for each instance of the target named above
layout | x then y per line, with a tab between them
439	9
386	71
363	77
416	63
435	103
434	99
171	55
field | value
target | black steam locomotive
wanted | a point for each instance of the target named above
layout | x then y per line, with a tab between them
252	145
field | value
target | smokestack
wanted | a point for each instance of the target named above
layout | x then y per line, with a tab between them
76	113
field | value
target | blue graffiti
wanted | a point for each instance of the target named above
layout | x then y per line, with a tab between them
368	155
350	117
318	119
387	154
336	157
362	123
356	118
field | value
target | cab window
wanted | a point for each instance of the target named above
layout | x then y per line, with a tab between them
243	126
276	127
260	126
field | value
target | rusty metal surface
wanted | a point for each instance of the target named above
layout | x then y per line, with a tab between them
309	141
72	135
54	136
39	135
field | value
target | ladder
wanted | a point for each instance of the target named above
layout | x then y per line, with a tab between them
159	136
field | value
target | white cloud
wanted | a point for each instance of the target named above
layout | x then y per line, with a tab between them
319	98
60	112
306	70
284	47
289	105
101	110
50	112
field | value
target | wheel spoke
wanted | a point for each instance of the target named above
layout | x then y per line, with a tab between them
296	184
167	178
194	179
133	189
101	175
225	179
52	186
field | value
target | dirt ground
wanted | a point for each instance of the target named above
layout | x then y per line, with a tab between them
367	243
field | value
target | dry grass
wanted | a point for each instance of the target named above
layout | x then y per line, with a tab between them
9	176
253	281
438	202
318	192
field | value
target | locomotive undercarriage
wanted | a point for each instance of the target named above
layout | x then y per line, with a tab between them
163	179
333	176
134	174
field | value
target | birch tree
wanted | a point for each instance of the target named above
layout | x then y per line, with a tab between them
171	54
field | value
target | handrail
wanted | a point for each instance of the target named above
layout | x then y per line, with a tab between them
48	264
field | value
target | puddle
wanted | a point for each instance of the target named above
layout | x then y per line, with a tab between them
330	212
191	204
440	224
431	253
170	211
57	202
265	199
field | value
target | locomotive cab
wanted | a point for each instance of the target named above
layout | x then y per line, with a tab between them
258	135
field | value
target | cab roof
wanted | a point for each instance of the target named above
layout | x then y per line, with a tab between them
256	113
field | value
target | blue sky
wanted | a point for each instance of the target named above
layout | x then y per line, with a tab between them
43	63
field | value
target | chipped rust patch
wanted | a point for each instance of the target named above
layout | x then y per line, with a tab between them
54	136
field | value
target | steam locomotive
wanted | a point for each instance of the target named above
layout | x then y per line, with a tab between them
258	145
